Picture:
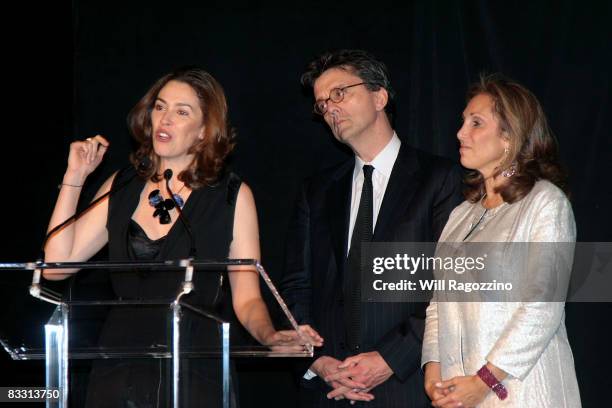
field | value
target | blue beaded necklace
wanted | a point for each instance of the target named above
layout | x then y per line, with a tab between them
163	206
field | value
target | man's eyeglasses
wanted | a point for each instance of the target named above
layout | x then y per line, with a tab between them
336	95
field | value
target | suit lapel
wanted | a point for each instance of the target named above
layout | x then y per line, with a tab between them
400	190
338	204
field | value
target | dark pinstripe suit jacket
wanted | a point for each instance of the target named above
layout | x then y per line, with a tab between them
422	191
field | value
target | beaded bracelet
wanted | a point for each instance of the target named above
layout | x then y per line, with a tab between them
493	383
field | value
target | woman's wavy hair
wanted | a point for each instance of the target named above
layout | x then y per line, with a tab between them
209	153
533	150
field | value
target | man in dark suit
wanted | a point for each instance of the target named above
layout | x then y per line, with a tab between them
389	192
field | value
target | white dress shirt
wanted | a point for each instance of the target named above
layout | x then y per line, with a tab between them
383	165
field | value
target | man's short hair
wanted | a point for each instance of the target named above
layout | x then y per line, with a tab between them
358	62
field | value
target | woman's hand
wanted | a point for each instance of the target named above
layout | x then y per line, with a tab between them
433	376
292	341
465	391
84	157
83	238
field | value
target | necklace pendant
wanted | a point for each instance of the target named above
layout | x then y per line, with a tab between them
163	206
164	217
169	204
179	200
155	198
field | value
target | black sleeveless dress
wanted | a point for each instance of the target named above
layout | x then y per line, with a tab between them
145	382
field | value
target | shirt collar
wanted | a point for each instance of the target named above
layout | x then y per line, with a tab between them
384	161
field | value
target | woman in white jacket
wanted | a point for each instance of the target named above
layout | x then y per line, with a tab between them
512	352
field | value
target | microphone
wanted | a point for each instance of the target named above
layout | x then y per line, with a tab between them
192	248
187	285
142	165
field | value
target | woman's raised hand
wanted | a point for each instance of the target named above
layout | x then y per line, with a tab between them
84	158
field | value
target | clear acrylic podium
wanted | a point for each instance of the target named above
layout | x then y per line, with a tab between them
63	342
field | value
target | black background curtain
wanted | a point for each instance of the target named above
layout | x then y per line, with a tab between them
73	71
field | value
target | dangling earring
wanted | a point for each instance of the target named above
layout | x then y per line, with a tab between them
510	171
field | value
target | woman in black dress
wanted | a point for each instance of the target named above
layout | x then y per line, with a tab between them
181	125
